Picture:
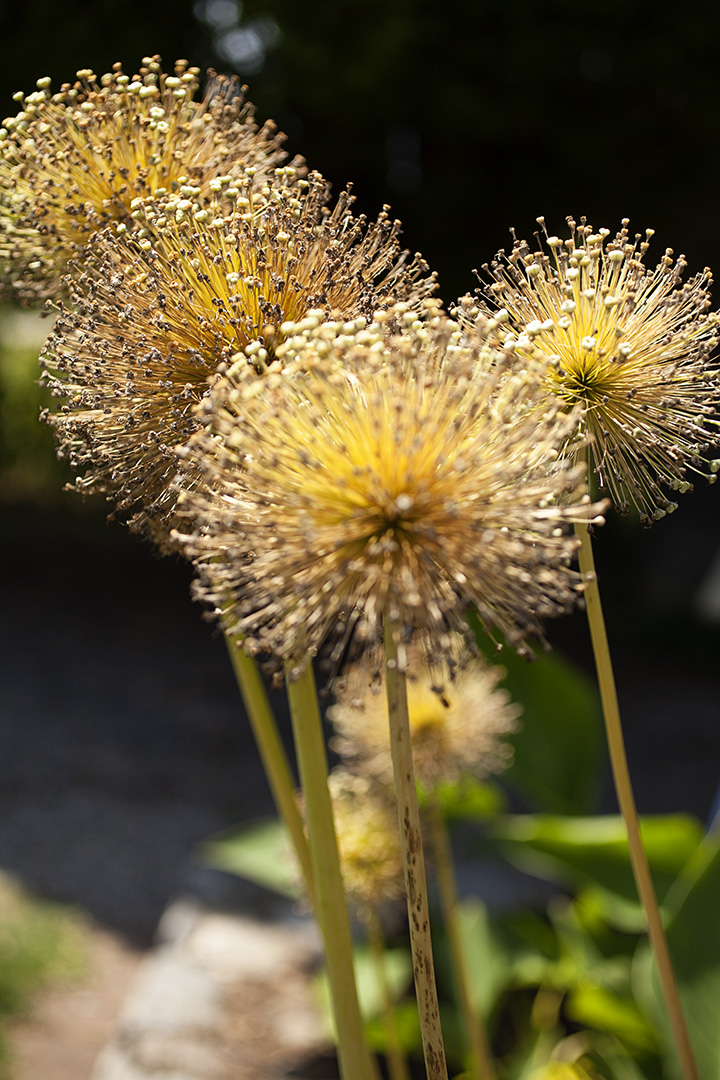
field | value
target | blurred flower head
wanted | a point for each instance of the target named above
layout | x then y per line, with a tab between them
157	312
411	478
630	345
368	838
458	729
73	161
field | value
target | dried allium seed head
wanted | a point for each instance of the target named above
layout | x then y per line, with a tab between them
74	161
153	320
455	729
368	843
412	480
632	346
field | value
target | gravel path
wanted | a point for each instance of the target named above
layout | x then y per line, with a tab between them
123	740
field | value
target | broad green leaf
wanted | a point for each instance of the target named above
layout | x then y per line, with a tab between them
560	747
488	965
531	1055
468	799
407	1025
530	946
260	852
396	972
612	924
594	850
614	1061
601	1009
693	934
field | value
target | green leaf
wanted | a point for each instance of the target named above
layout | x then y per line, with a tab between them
486	958
407	1023
594	850
598	1007
614	1061
612	924
468	799
260	852
560	746
397	968
693	935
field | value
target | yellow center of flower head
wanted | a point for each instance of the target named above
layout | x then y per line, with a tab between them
629	345
409	475
159	311
459	721
425	707
73	161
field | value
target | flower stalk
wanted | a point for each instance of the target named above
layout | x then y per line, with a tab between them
626	801
330	904
396	1060
413	858
272	754
481	1063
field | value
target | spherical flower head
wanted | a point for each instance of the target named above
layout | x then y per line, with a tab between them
410	479
74	161
368	842
156	313
457	727
630	345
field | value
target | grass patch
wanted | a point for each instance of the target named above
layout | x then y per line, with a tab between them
40	943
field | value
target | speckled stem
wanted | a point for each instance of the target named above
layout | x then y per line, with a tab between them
626	801
415	881
330	904
481	1063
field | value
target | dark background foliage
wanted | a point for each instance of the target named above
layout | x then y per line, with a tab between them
468	118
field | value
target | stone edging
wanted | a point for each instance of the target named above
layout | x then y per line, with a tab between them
221	997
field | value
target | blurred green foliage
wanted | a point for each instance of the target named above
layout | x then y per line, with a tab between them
39	943
568	980
28	466
580	969
468	118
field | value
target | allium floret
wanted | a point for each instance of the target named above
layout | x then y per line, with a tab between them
156	314
631	346
368	838
73	161
413	479
461	728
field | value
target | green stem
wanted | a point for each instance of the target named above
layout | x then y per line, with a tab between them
626	801
330	904
396	1060
272	753
481	1063
413	858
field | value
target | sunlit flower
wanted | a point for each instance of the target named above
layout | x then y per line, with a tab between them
368	842
632	346
461	730
412	480
155	314
74	161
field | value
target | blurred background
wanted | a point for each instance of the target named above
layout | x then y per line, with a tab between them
122	739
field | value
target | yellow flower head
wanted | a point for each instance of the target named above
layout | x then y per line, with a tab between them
74	161
458	730
630	345
411	479
368	842
156	313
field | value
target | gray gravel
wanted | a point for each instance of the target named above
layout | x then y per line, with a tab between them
123	741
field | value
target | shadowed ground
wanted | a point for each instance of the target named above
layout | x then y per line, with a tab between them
123	742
